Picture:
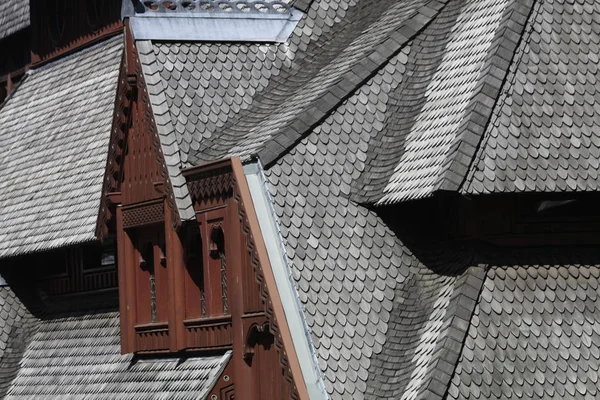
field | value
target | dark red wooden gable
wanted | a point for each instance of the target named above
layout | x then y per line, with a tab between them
197	286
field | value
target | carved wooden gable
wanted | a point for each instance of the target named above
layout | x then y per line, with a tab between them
135	175
196	287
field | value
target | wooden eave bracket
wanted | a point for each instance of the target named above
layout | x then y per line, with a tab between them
114	198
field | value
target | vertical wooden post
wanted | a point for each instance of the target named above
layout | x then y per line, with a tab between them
126	271
235	247
175	271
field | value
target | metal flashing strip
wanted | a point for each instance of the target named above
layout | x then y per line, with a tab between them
291	304
243	21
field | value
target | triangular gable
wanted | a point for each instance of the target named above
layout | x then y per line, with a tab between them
223	179
135	157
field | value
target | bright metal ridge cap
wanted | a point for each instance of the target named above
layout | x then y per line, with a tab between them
222	21
269	227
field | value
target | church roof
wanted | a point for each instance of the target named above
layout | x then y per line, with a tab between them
14	16
534	332
54	131
375	103
543	134
72	350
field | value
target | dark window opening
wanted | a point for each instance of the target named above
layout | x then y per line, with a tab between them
217	252
147	265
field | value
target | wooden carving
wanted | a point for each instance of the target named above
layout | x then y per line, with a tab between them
135	153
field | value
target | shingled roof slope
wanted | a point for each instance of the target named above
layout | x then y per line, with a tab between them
54	132
534	334
437	112
383	323
225	99
544	133
76	355
222	97
17	327
14	16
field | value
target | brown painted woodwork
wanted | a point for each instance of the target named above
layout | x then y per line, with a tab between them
176	277
208	333
224	388
152	338
193	277
73	270
141	167
152	283
211	290
213	260
266	380
124	250
221	187
149	213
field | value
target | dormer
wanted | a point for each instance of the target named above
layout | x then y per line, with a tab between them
194	276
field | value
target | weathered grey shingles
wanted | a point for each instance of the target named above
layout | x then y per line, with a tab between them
544	132
222	97
166	130
448	95
76	355
407	96
534	335
17	327
361	288
14	16
231	110
54	134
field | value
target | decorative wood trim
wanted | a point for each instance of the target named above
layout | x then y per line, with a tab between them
87	40
143	215
149	115
208	333
268	288
212	184
131	86
176	272
251	325
116	151
152	338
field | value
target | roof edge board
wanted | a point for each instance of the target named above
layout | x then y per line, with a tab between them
276	252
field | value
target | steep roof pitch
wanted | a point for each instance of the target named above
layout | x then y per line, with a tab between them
54	132
382	322
76	354
222	96
534	333
17	327
543	136
439	108
14	16
224	99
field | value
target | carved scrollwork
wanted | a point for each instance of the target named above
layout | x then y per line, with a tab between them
264	293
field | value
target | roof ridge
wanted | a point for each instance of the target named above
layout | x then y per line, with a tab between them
457	321
165	129
495	71
350	81
503	96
